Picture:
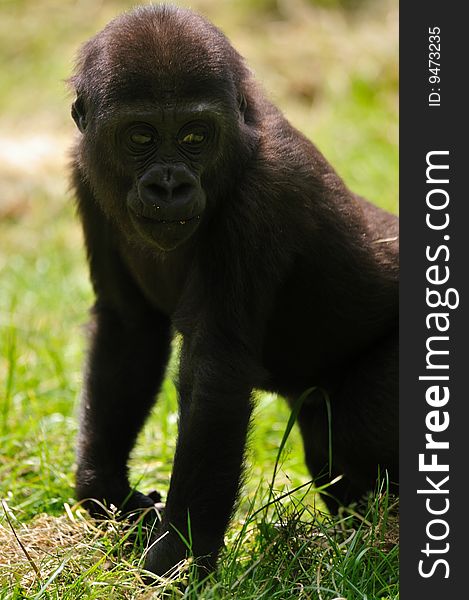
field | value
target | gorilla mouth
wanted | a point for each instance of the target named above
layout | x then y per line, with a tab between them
181	221
167	234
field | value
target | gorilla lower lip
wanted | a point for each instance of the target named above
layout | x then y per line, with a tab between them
166	234
168	221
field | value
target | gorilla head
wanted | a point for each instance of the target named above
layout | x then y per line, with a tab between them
161	103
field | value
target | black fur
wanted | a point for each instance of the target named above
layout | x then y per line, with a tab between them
226	225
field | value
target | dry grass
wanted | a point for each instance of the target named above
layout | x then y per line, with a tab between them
31	551
74	551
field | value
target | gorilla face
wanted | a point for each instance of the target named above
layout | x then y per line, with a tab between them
167	156
163	154
160	136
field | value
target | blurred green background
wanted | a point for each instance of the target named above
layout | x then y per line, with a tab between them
330	65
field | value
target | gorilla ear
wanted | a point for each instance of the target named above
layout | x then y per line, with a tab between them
78	114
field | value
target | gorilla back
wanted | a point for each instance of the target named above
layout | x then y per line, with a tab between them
205	212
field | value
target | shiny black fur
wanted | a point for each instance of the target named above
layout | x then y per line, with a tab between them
277	276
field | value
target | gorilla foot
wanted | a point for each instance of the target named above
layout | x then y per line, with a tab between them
168	552
122	505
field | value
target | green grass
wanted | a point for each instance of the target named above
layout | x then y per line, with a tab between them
290	552
335	75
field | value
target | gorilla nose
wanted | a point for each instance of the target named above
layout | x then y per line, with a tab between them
164	187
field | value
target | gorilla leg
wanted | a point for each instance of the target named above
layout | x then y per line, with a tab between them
363	427
125	369
214	414
313	421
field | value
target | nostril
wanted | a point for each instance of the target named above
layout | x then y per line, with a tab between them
182	191
155	192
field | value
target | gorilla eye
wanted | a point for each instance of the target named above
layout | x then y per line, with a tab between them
193	138
141	139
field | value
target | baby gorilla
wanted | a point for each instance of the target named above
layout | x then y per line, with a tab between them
206	213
